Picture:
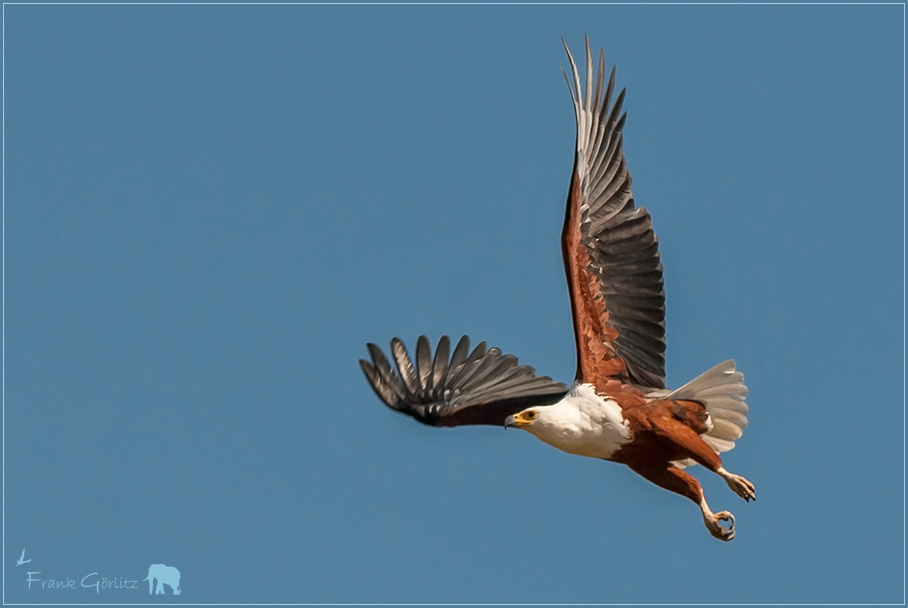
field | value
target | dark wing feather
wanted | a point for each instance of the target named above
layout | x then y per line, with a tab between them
610	251
482	387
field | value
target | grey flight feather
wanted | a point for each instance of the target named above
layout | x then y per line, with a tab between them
479	387
623	249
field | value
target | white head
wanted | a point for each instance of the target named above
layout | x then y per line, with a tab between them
550	423
582	423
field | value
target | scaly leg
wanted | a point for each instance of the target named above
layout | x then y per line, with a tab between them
689	443
738	485
712	522
674	479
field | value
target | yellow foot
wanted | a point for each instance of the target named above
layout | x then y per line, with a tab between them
716	529
739	485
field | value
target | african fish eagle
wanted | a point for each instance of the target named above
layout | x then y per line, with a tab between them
618	408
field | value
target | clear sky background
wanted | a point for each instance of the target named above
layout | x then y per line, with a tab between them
209	210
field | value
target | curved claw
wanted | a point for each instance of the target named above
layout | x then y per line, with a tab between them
742	488
719	531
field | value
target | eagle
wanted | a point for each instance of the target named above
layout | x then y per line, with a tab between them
617	407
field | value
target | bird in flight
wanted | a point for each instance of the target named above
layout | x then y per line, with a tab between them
617	408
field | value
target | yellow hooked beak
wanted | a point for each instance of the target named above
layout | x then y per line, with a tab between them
520	419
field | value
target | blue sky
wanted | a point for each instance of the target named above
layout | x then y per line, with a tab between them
209	210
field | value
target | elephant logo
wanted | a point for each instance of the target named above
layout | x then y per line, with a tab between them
160	575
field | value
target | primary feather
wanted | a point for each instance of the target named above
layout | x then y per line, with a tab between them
611	251
484	387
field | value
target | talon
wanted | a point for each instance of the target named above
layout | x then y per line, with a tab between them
741	487
719	531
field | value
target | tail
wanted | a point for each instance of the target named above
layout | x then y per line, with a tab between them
722	391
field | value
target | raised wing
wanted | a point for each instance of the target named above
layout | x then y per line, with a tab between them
611	253
479	387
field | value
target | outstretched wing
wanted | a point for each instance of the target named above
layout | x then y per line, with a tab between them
611	253
479	387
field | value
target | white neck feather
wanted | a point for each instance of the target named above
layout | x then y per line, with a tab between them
582	423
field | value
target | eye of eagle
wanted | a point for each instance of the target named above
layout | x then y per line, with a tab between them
530	415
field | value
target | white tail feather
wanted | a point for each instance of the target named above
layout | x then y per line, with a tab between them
722	391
